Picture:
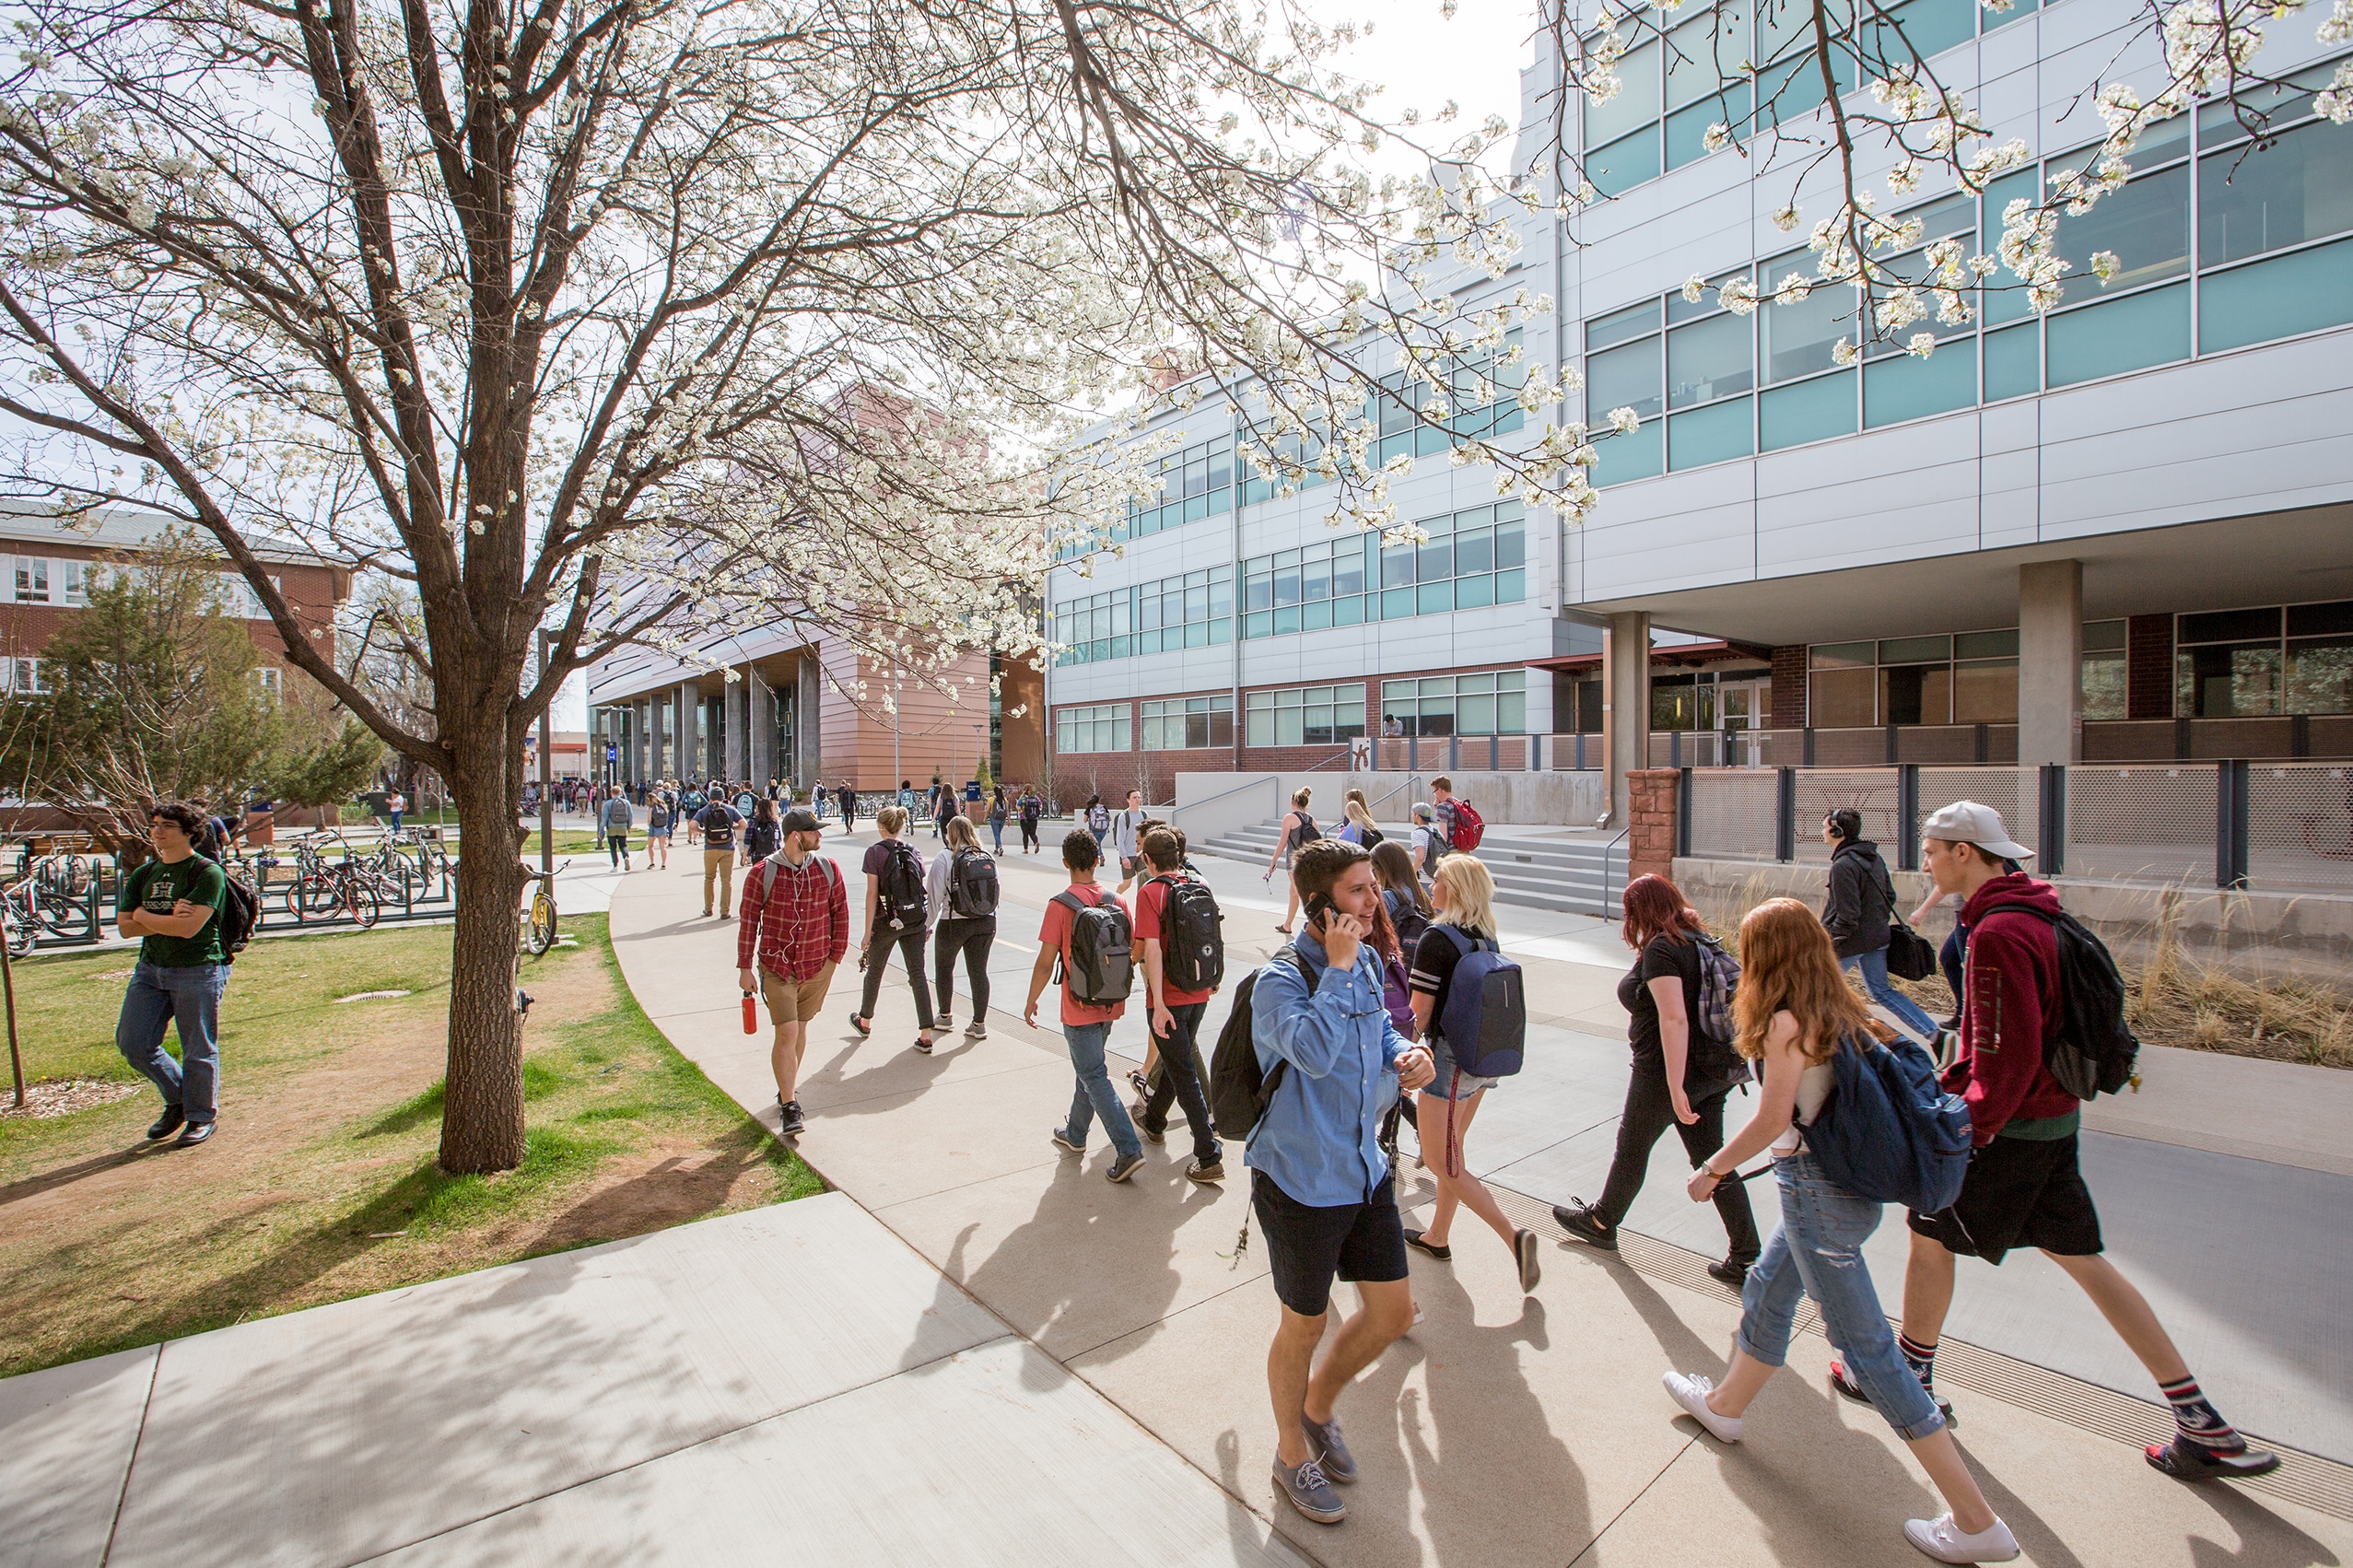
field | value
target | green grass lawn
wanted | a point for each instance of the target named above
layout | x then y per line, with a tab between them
321	1183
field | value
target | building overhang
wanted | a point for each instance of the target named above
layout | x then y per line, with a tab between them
2266	559
1675	655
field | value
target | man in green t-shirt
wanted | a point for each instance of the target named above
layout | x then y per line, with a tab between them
173	905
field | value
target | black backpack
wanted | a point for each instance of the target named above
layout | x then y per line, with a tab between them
2093	1051
240	911
972	885
1102	968
1192	945
1409	921
1239	1092
901	905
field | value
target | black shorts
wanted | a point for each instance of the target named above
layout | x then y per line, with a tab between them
2018	1192
1307	1243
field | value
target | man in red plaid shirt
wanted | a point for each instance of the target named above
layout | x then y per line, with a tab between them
793	927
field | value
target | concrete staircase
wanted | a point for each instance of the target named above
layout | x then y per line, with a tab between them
1565	876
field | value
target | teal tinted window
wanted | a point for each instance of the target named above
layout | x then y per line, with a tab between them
2300	292
2120	334
1705	52
1686	128
2013	362
1799	335
2005	297
2300	188
1637	104
1636	456
1904	388
2147	224
1625	163
1809	411
1623	378
2009	13
1619	325
1709	360
1708	435
1929	27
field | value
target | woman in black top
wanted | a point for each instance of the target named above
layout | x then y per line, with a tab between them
760	832
1680	1079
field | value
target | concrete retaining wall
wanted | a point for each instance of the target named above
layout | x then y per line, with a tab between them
2252	933
1208	804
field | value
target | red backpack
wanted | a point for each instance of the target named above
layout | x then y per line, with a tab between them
1469	827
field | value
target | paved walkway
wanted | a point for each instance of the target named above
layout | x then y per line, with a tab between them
1507	1430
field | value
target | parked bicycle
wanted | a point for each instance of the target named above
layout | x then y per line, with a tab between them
30	910
340	889
539	916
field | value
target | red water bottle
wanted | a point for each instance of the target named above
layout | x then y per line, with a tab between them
751	1015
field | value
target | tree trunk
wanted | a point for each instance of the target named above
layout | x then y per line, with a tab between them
482	1118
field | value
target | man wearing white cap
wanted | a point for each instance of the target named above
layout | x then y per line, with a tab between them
2024	1188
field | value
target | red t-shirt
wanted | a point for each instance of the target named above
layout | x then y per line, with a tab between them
1152	902
1056	933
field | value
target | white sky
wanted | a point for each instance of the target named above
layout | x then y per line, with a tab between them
1420	59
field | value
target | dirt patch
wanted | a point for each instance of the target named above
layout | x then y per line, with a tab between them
66	1095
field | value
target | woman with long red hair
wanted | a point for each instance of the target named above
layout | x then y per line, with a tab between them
1795	1014
1680	1079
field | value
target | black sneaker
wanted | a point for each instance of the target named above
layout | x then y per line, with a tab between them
166	1124
195	1132
2185	1460
1578	1220
789	1120
1730	1271
1845	1383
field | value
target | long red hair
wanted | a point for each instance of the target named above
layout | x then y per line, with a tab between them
1788	965
1655	907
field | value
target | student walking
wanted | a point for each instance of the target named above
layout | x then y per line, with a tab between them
848	805
961	901
1088	932
691	803
1184	956
1464	895
1320	1182
614	820
395	806
1402	896
658	821
1427	845
1681	1076
1126	835
793	930
943	812
1033	806
2024	1186
762	834
719	820
173	904
1860	914
997	819
895	911
1297	830
1359	827
1795	1014
1098	822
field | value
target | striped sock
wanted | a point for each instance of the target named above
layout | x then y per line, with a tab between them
2199	1421
1921	1359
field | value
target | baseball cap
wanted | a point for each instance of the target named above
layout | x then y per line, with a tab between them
800	819
1966	822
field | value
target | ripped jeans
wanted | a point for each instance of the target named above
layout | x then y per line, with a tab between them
1816	1250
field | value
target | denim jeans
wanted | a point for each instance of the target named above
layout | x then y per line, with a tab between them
997	832
1180	1081
1816	1250
190	998
1094	1096
1883	991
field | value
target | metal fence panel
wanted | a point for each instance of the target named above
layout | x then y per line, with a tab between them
2146	825
1822	790
2016	792
1732	813
2299	827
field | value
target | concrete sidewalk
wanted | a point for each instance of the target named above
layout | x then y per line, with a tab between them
1506	1430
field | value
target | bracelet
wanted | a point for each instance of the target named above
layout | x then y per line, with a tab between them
1708	1165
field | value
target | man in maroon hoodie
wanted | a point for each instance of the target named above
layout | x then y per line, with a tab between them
2023	1186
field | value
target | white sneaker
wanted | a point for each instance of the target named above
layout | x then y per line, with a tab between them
1944	1541
1691	1392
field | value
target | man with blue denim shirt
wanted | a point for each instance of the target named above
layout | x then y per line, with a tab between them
1319	1183
173	904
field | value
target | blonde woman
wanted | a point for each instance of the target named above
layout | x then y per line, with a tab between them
1298	829
1464	892
1795	1014
1359	827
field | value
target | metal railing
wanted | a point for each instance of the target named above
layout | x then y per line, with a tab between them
1273	781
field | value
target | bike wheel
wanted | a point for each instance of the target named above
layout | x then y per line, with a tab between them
539	935
20	933
364	907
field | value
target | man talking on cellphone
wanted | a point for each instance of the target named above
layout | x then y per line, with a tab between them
1319	1183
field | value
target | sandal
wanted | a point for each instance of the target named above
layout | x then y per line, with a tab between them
1443	1254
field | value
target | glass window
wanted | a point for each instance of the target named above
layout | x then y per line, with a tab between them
1634	107
1705	53
2147	224
1799	334
78	586
1843	655
2230	626
1985	645
2003	297
2266	198
1623	378
1098	729
1915	649
2303	292
1707	359
1625	163
1928	27
2103	669
1808	411
1906	388
1840	699
2320	674
1709	435
32	580
1641	454
2013	362
1187	723
2228	680
2117	335
1916	693
1604	332
1985	691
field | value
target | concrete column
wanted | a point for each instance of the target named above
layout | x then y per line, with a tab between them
685	702
739	728
2050	662
808	754
1625	707
760	706
640	752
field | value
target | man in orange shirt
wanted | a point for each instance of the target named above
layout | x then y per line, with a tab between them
1088	930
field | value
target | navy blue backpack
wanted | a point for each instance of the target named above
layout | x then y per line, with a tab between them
1889	1131
1486	1022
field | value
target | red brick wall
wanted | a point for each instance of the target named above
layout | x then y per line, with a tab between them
1650	838
2149	667
1789	687
309	591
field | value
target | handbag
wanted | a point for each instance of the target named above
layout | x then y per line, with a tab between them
1911	957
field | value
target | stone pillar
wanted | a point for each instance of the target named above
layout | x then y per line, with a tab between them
760	705
1650	838
684	704
808	750
1625	706
640	752
739	728
2050	662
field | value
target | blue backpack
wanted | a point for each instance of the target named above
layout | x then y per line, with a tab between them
1888	1133
1485	1021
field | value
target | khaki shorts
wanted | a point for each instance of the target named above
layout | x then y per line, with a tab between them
790	1003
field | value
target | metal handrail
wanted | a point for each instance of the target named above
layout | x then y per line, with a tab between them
1606	849
1344	751
1273	779
1370	807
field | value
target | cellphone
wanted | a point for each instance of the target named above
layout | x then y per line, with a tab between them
1317	909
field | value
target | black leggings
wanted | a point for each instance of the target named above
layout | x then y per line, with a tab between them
1029	833
1180	1080
970	936
878	958
1650	1111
